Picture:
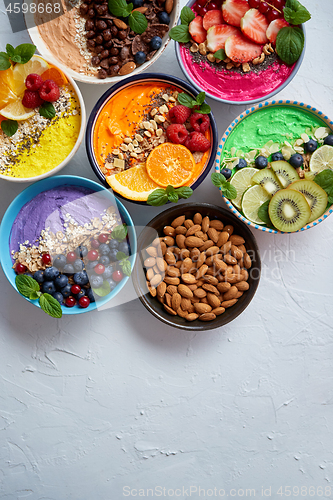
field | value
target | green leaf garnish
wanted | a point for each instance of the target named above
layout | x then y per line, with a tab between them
180	33
184	192
289	44
26	285
119	232
295	13
103	290
186	15
4	61
157	198
263	213
9	127
161	196
47	110
21	54
138	22
119	7
10	50
124	263
220	54
189	102
25	51
228	190
30	288
50	305
325	180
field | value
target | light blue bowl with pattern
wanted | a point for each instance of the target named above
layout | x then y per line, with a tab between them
306	108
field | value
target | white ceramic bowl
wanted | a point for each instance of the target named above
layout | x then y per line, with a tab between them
45	51
78	141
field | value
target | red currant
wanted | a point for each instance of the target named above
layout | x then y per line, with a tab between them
278	4
203	11
46	258
92	255
263	7
254	4
70	301
201	3
99	269
94	243
213	6
117	276
20	268
84	302
75	289
103	238
71	256
272	15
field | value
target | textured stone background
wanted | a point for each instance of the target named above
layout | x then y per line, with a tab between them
94	403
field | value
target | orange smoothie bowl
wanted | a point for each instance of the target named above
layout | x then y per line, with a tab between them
126	138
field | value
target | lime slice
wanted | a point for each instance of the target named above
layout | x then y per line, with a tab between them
322	159
252	199
242	181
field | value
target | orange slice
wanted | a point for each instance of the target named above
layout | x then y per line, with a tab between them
170	164
133	184
56	75
7	94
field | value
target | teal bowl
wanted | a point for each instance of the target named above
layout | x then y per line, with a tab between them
27	195
319	116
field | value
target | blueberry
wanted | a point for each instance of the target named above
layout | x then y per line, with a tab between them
61	281
296	160
90	295
156	42
140	57
81	251
329	140
91	264
113	244
59	261
68	269
66	291
51	273
112	283
28	274
311	146
104	259
226	172
59	297
80	294
278	156
48	287
108	272
81	278
241	164
104	249
137	3
39	276
261	162
113	254
123	247
96	281
163	18
78	265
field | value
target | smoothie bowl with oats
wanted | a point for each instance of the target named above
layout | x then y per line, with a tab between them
42	116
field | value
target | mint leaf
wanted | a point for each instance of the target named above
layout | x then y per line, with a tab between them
186	15
26	285
289	44
121	256
126	267
180	33
138	22
9	127
10	50
34	295
220	54
4	61
218	179
47	110
25	51
184	192
50	305
263	213
119	232
103	290
157	198
295	13
204	109
118	7
200	98
325	180
229	191
169	189
16	59
173	197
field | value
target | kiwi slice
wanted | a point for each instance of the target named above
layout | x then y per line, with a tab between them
285	173
314	195
288	210
268	180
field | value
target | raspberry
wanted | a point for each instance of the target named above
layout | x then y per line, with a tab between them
31	99
33	82
197	142
176	133
200	122
179	114
49	91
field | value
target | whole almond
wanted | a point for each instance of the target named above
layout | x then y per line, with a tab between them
171	289
216	224
233	278
161	264
156	280
247	261
180	230
180	240
223	238
161	289
210	288
176	251
168	6
201	259
193	241
223	286
242	248
207	316
173	271
218	310
161	248
211	271
244	275
178	221
185	291
210	279
170	310
193	229
170	258
242	286
181	313
235	252
200	282
188	223
156	241
186	304
151	289
237	269
156	269
201	308
195	254
200	293
212	250
228	303
141	9
169	241
188	279
213	234
176	300
151	251
207	244
150	262
229	259
231	293
186	266
193	287
220	265
239	294
169	231
150	273
200	234
197	219
184	253
127	68
237	240
192	317
167	297
178	264
201	271
213	300
161	299
171	281
120	24
229	229
226	247
195	300
210	261
205	224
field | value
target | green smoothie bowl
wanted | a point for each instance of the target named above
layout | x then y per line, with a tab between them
274	166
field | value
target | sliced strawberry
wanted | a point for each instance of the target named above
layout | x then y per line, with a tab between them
240	49
234	10
212	18
274	28
197	32
254	25
217	35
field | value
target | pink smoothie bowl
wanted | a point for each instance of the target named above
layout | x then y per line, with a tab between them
232	87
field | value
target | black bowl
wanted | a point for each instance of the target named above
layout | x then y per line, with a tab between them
155	228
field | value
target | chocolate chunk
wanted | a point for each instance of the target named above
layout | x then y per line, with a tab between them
102	74
114	51
113	60
108	45
114	31
90	25
95	61
101	25
101	9
90	34
91	13
84	9
99	49
122	34
99	40
113	70
107	35
91	45
105	64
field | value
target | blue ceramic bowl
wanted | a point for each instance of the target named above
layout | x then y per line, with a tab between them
147	77
205	80
28	194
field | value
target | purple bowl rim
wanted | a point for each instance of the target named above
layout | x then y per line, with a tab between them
249	102
155	76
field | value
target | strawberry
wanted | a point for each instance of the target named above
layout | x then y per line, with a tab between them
274	28
240	49
177	133
179	114
254	26
196	141
217	35
212	18
197	31
234	10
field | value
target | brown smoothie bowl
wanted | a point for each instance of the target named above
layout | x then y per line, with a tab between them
155	228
